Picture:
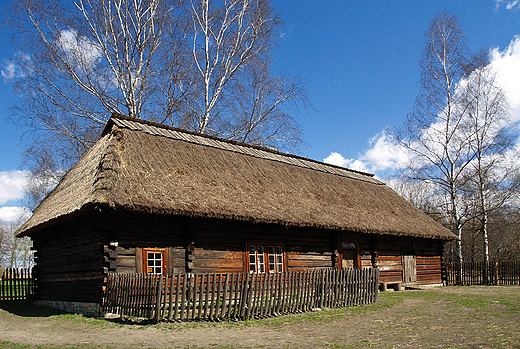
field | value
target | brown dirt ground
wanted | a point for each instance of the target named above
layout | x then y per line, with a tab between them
450	317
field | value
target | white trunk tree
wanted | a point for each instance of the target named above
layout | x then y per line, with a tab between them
85	60
170	61
490	176
434	132
225	39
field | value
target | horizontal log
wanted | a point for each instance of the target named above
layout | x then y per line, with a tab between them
125	270
306	257
122	251
126	261
219	263
309	264
388	258
390	278
208	254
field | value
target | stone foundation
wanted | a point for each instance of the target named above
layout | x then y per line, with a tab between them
88	309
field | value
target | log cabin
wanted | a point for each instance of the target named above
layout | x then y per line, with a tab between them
148	198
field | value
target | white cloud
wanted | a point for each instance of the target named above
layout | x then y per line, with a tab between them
510	5
12	185
14	214
78	48
337	159
507	66
10	71
383	154
14	68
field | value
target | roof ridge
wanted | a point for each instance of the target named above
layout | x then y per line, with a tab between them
333	168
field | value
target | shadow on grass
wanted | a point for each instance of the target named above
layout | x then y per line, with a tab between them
27	309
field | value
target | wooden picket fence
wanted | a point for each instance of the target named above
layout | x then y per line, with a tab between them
237	296
16	284
480	273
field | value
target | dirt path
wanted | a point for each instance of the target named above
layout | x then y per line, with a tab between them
469	317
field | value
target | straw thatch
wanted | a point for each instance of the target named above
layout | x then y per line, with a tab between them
144	167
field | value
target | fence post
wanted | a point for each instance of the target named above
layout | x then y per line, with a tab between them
158	299
496	273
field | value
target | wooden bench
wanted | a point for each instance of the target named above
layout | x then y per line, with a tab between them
395	285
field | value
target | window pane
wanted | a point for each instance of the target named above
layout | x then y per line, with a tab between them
154	261
252	249
260	249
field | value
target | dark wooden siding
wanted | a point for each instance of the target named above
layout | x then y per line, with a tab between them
74	256
427	254
69	264
429	270
300	261
218	246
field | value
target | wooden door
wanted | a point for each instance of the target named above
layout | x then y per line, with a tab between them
409	269
350	259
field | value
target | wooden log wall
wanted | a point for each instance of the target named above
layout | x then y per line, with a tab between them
69	262
216	246
220	247
73	257
427	254
429	269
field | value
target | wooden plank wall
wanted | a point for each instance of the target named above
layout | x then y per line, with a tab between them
429	269
218	246
68	262
428	253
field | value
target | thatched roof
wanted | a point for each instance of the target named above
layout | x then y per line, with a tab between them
139	166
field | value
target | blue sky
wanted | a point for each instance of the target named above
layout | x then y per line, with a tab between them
358	60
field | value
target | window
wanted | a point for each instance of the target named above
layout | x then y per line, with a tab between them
258	254
154	261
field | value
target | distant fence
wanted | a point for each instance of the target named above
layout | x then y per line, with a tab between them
16	284
480	273
237	296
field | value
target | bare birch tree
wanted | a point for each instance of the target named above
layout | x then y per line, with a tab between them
165	60
85	59
490	180
434	132
14	252
225	39
169	61
261	108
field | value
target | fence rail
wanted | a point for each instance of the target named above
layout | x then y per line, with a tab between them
237	296
16	284
480	273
